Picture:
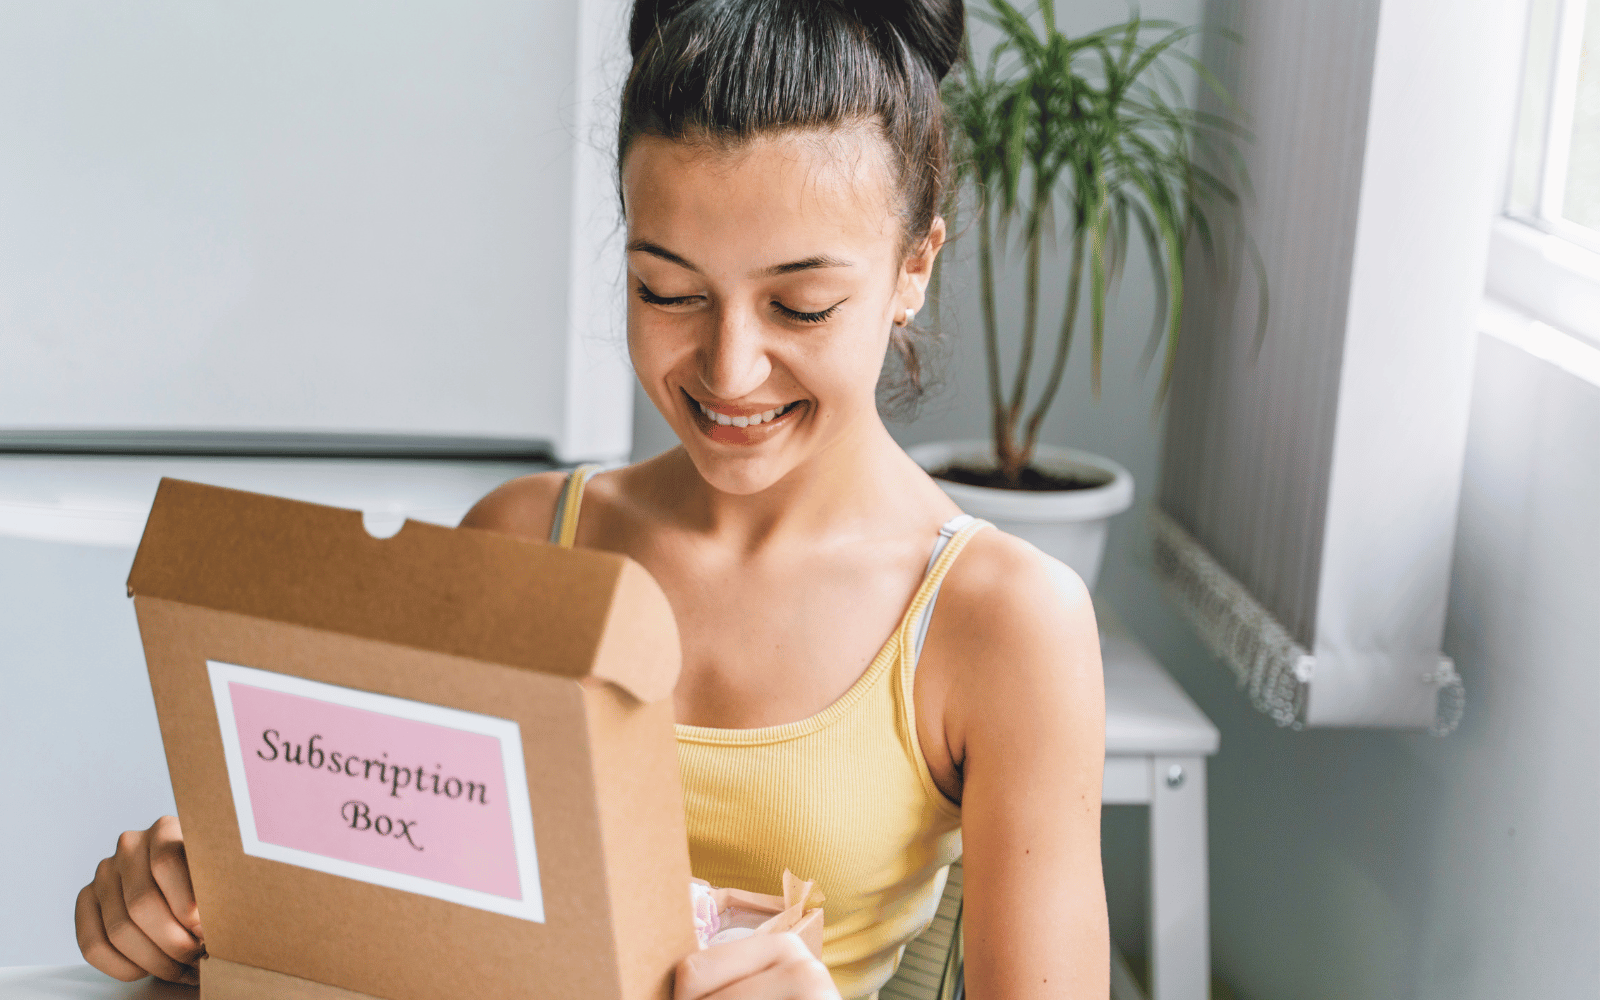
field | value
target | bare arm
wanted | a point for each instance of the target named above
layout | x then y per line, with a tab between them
1028	722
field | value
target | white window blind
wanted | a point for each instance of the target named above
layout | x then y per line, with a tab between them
1306	514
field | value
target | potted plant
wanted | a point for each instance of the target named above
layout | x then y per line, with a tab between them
1090	132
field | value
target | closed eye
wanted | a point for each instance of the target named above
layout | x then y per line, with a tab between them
807	317
646	295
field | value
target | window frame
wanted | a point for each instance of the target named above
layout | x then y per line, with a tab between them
1541	264
1547	277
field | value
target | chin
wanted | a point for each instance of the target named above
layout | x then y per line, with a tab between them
738	476
744	461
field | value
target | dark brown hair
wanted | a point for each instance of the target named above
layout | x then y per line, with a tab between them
725	71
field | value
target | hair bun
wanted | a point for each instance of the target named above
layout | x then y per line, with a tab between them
933	29
648	16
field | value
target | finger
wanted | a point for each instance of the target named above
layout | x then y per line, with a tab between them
705	972
96	947
802	979
125	935
147	907
169	866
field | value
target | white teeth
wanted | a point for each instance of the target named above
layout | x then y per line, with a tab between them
750	421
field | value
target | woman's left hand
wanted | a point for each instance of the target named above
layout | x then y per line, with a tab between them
759	967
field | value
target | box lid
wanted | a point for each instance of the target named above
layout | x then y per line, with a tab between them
573	613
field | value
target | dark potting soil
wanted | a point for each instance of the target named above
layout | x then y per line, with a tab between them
1032	479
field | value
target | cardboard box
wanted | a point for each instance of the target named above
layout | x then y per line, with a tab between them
434	765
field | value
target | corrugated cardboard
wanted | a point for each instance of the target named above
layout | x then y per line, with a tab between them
578	648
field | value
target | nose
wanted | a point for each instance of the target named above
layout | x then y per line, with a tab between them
734	361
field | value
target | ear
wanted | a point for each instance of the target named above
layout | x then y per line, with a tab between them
918	268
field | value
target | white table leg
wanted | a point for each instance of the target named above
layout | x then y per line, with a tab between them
1180	924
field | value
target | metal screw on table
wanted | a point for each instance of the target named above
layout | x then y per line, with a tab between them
1175	776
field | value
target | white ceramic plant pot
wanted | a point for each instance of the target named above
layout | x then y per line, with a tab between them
1068	524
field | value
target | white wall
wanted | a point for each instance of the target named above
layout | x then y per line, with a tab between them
79	727
1352	863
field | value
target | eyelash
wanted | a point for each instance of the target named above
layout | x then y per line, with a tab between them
647	296
805	317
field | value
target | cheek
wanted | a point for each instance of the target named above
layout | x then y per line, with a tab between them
870	345
654	345
847	367
651	363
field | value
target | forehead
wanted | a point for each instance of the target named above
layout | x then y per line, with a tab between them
782	195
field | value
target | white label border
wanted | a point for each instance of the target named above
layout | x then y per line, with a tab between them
505	731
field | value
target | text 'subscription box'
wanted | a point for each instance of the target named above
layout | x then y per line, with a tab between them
399	793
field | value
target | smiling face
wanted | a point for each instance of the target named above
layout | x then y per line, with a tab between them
763	281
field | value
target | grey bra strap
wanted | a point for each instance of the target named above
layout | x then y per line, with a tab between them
947	531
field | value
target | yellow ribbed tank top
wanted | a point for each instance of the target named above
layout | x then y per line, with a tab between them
843	797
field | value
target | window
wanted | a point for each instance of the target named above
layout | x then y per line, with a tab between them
1555	182
1545	257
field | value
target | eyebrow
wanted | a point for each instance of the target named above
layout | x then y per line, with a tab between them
805	264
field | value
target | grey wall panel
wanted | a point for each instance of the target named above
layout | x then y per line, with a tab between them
351	217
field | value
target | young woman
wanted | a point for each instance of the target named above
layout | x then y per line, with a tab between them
780	165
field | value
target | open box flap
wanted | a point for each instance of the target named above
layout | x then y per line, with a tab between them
463	592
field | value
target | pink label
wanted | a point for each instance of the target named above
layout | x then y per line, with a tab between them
367	784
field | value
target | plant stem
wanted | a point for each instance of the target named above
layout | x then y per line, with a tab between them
1063	346
1097	283
1174	243
1015	460
991	335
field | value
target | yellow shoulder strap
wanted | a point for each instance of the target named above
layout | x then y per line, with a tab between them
564	529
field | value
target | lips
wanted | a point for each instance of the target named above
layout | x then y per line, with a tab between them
745	428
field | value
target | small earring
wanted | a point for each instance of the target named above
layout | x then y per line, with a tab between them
911	314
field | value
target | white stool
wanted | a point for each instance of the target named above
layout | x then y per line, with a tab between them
1157	742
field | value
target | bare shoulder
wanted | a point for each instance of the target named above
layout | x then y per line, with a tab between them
524	506
1012	593
1021	640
